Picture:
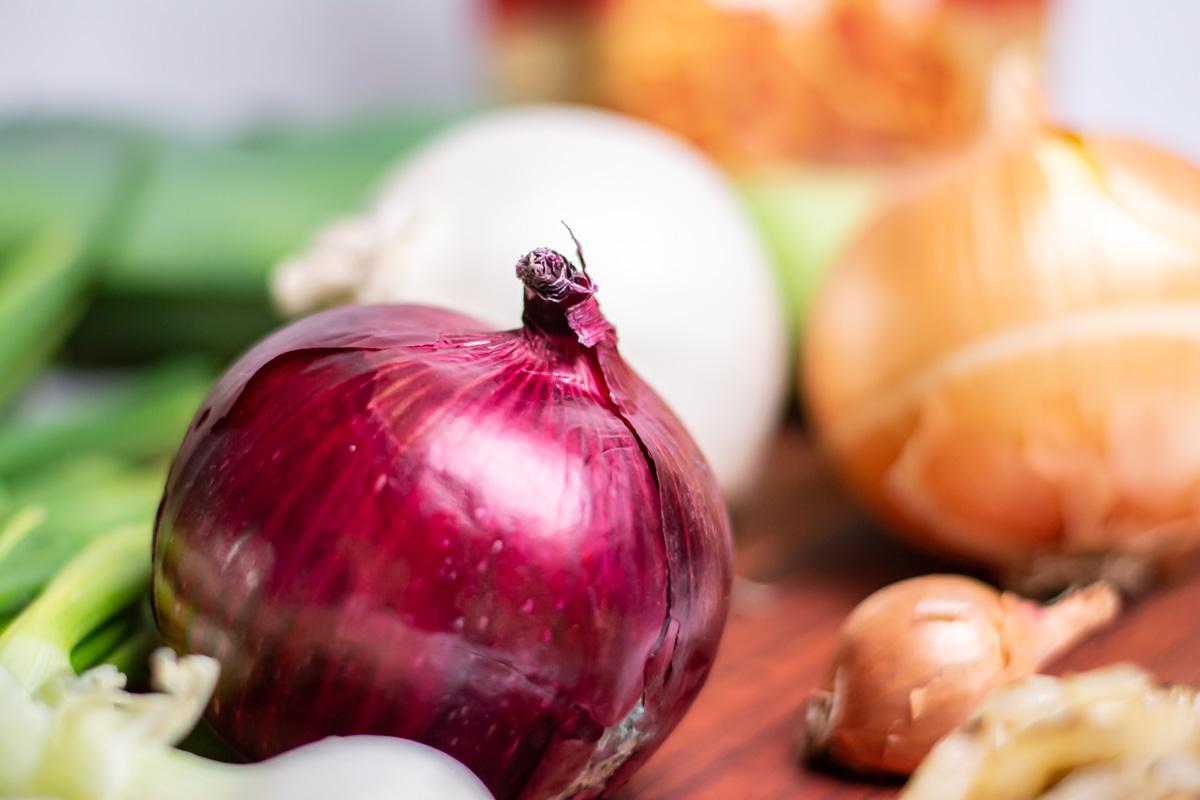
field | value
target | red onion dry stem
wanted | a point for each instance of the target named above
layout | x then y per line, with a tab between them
390	520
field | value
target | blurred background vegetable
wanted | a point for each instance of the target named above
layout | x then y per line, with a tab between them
142	418
172	236
681	267
62	206
1003	365
812	105
780	82
92	465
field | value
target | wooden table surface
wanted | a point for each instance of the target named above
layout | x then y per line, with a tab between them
737	742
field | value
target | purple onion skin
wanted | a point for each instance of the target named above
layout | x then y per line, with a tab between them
390	520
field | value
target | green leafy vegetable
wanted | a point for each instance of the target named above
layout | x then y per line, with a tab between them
81	499
143	419
63	203
171	239
74	175
42	292
214	217
104	578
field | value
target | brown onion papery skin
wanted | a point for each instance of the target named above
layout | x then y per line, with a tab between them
390	520
1006	363
914	659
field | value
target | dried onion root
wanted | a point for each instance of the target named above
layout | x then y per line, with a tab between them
1109	734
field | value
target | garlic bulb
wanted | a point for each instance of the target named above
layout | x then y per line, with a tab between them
647	209
1006	364
1109	734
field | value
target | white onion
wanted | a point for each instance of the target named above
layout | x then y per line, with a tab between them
684	278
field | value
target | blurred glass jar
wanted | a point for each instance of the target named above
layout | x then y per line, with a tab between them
760	82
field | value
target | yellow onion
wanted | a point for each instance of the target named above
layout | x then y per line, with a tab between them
1006	363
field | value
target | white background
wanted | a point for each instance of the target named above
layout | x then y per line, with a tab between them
1130	66
216	63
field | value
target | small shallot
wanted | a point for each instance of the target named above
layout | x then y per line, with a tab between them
915	658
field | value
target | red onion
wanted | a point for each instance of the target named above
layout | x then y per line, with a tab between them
390	520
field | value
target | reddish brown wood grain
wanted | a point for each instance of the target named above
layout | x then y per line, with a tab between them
738	741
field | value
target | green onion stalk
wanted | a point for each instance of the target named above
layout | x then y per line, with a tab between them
63	204
135	243
92	467
65	509
143	419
